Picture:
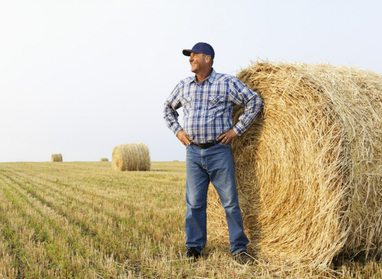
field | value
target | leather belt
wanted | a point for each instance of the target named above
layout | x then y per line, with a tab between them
205	145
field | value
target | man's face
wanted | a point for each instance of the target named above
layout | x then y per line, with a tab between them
197	62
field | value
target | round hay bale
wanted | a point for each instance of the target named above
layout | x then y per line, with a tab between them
56	158
309	170
131	157
104	160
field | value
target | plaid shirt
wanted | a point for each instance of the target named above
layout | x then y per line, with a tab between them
208	107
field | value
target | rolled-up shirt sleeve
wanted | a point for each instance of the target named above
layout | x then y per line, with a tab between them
170	114
250	100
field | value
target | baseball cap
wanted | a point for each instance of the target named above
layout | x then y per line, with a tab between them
200	48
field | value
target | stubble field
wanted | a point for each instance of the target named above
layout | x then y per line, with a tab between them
84	220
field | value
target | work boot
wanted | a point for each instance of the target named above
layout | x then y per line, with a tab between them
193	253
243	258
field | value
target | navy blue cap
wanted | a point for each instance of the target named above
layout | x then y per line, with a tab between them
200	48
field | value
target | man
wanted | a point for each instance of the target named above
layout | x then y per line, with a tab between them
208	99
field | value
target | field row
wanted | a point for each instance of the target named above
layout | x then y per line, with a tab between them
84	224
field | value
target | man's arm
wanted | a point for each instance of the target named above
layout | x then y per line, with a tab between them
171	116
251	102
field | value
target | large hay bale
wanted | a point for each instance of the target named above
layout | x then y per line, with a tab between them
131	157
104	160
56	158
309	170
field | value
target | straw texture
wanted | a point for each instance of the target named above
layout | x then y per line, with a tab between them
309	170
56	158
131	157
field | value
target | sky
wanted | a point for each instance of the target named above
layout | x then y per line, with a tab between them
79	77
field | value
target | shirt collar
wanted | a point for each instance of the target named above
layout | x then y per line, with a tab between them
210	79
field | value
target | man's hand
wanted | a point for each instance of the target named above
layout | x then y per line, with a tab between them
227	136
183	138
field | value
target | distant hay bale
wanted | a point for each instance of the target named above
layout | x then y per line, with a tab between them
309	170
104	160
56	158
131	157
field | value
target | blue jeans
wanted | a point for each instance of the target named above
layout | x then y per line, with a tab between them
216	165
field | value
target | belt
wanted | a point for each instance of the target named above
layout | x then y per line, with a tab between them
206	145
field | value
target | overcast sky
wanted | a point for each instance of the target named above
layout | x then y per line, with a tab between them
80	77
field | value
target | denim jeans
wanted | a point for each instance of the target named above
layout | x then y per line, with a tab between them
216	165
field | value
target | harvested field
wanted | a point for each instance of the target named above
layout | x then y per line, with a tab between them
84	220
